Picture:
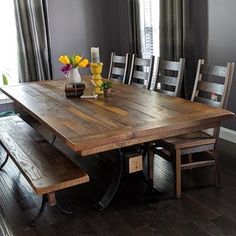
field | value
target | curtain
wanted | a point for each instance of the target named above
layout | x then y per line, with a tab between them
33	40
177	37
134	27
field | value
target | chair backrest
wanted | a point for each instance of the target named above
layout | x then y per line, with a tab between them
169	76
212	84
119	67
141	71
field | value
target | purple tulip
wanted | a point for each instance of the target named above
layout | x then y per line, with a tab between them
65	69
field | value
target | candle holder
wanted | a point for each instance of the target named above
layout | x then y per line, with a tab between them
96	70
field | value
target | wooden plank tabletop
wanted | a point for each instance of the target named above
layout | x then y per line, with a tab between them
130	116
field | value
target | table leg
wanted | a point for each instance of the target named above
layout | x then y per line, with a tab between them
114	184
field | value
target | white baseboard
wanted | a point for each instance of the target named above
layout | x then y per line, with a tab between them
228	134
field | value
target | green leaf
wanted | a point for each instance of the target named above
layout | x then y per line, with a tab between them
4	79
73	60
106	84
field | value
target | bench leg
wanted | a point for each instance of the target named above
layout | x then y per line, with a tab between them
5	161
49	198
110	193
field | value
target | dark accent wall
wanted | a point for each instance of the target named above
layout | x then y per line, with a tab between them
77	25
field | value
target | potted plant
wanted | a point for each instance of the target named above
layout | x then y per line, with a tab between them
106	87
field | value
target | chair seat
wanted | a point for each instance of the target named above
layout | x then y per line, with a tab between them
187	141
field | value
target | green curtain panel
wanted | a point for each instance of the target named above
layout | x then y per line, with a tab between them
177	37
33	40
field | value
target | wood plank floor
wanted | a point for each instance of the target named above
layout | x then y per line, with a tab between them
202	210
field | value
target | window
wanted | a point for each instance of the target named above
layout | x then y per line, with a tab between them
149	27
8	42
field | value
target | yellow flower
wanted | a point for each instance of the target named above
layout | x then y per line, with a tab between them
84	63
64	60
77	59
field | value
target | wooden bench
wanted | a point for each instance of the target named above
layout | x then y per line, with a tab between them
45	168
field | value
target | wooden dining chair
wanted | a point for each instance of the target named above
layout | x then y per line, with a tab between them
119	66
141	71
169	76
212	87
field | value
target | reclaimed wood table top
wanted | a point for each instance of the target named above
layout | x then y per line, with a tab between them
131	115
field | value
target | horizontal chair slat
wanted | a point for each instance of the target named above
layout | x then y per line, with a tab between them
140	75
142	62
207	101
119	59
213	70
198	164
118	71
168	80
169	65
170	93
210	87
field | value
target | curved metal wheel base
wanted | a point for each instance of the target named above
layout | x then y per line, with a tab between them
111	191
63	210
44	202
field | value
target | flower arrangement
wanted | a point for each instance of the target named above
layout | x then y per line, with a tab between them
72	61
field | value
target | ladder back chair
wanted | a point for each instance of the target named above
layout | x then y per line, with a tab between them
141	71
212	87
169	76
119	67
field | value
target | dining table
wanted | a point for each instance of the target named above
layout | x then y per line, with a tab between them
129	116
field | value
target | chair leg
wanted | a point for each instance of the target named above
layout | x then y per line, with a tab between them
178	173
217	167
5	161
190	159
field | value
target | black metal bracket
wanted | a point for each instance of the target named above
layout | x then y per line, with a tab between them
53	139
43	204
4	162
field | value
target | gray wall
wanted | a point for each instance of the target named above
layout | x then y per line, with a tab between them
216	27
222	42
78	25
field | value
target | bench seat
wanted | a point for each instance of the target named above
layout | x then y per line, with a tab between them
45	168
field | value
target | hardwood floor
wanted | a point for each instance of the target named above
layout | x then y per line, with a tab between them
201	210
